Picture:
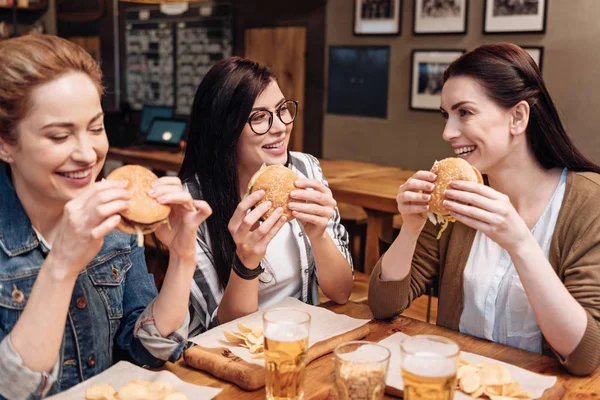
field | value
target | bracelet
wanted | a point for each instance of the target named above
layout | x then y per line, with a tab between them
244	272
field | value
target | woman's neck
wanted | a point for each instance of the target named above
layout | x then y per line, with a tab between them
44	215
528	185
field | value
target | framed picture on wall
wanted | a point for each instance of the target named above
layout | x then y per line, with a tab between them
434	17
510	16
357	73
427	77
377	17
536	52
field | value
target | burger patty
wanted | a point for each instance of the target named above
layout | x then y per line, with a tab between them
146	228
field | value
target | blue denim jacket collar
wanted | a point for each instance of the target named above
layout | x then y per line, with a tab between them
16	232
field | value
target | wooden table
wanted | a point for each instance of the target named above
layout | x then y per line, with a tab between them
320	373
371	186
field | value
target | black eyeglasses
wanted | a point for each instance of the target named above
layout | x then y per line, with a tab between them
261	121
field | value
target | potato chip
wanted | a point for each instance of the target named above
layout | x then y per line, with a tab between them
249	338
494	390
464	369
477	393
470	382
243	328
522	395
491	380
232	337
258	331
495	374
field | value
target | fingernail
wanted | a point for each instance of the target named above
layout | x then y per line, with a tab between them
294	193
123	183
279	210
268	203
433	176
151	192
155	184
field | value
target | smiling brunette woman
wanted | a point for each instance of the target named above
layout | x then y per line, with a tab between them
521	266
240	120
72	289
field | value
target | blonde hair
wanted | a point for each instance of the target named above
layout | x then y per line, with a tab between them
29	61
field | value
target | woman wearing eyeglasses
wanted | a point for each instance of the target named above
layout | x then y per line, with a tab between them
240	119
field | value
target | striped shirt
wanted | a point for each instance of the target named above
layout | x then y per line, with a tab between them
206	292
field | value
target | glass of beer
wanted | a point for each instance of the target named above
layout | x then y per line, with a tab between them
429	365
286	343
360	370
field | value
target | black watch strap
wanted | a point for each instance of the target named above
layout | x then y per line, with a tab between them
244	272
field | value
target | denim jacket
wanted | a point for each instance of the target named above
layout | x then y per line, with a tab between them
110	309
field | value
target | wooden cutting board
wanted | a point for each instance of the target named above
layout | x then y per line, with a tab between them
223	364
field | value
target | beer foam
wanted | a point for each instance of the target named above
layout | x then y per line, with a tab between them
366	354
286	332
429	364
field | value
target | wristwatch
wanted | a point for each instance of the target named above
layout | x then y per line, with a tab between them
244	272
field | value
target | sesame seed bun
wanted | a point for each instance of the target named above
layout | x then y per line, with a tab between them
450	169
278	182
143	211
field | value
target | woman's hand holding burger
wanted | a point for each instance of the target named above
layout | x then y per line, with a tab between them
86	220
413	200
179	235
314	208
487	210
250	237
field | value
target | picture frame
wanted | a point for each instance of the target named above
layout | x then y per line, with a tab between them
537	53
440	17
504	16
426	78
377	17
358	72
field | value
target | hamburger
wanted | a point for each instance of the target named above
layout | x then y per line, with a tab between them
449	169
144	214
278	182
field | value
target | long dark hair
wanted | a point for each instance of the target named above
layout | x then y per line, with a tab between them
509	75
221	108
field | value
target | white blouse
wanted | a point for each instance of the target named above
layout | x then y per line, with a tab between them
282	277
495	304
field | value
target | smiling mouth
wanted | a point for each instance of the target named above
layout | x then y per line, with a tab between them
76	175
464	151
274	146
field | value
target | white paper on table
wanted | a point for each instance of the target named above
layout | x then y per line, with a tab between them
534	383
123	371
324	324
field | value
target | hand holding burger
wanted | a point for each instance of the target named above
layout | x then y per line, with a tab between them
314	206
422	195
160	205
261	213
144	214
448	170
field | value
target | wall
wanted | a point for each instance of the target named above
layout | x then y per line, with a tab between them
412	139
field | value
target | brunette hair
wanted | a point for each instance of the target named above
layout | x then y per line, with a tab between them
509	75
32	60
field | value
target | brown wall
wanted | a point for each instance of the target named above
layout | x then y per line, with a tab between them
412	139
